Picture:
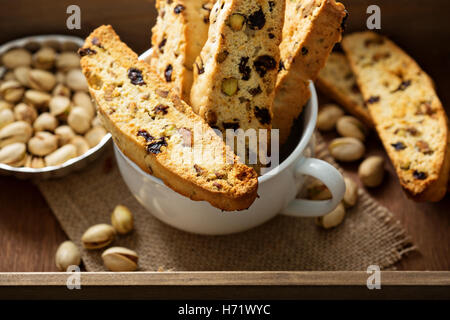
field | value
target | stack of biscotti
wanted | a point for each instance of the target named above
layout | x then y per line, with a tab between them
337	81
311	29
178	36
160	132
235	74
406	111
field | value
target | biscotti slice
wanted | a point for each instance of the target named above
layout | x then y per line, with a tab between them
178	36
337	81
406	111
234	76
159	131
311	29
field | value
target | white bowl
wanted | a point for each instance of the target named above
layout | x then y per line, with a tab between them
277	191
67	167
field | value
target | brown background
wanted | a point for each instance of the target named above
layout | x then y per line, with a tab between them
29	233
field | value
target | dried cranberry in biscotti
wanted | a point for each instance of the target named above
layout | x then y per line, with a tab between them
256	20
135	76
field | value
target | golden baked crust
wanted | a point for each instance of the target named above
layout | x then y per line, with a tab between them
235	74
337	81
406	111
311	29
160	132
178	36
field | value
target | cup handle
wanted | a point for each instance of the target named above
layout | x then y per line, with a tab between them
326	173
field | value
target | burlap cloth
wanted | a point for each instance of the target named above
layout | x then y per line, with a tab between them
368	236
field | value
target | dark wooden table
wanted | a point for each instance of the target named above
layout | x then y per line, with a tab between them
30	234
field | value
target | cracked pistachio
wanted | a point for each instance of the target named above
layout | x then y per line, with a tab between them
59	105
22	74
19	131
41	80
25	112
64	134
317	191
13	154
122	219
45	122
98	236
328	116
67	61
348	126
94	136
120	259
79	120
37	98
346	149
76	81
80	144
44	58
12	91
6	117
16	58
43	143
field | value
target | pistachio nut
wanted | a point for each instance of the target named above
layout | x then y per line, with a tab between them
45	122
35	162
76	81
317	191
79	119
13	153
83	99
44	58
122	219
69	46
60	77
236	21
371	171
6	117
64	135
16	58
332	219
12	91
94	136
61	155
348	126
351	193
67	61
229	86
59	105
61	90
120	259
346	149
96	122
37	98
52	43
5	105
43	143
25	112
21	74
19	131
41	80
67	255
98	236
80	144
328	116
9	75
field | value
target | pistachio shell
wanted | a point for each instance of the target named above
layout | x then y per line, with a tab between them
59	105
122	219
6	117
12	91
5	105
19	131
98	236
22	74
44	58
328	116
16	58
371	171
37	98
332	219
79	120
41	80
64	134
83	99
43	143
61	155
12	153
80	144
351	193
67	61
346	149
318	191
351	127
45	122
67	255
61	90
25	112
120	259
76	81
94	136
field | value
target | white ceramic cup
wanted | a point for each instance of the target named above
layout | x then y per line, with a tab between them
277	192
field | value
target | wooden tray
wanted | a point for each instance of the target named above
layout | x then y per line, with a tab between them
29	233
